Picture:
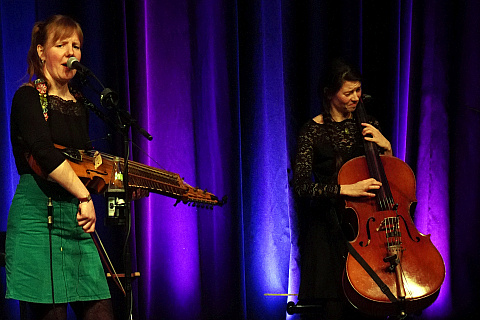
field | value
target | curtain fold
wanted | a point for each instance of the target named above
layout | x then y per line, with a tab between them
432	212
264	157
223	86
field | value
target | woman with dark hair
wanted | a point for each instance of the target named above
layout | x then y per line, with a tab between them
325	143
51	259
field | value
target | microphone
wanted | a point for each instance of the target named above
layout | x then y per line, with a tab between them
73	63
366	97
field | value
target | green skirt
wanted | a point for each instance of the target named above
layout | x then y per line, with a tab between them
78	273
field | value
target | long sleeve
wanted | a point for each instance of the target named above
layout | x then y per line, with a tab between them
30	132
305	185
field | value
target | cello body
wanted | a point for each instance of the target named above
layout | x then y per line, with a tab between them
419	271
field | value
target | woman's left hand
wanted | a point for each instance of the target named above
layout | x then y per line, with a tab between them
86	216
370	133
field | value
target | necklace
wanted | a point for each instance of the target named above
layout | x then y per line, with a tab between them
346	129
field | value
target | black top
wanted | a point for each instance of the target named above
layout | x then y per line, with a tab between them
67	125
322	151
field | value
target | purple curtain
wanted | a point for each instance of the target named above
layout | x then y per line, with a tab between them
223	87
464	121
190	268
432	212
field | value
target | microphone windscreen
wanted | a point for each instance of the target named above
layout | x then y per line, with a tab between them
71	61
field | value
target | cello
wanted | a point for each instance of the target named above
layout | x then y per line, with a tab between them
404	259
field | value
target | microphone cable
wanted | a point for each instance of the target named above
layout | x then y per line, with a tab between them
50	227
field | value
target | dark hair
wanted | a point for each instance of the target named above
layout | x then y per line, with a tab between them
52	29
340	71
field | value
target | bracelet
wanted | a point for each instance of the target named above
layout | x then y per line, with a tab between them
87	199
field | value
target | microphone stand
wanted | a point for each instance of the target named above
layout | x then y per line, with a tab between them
126	122
109	99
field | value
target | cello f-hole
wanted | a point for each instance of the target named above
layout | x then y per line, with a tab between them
417	239
367	227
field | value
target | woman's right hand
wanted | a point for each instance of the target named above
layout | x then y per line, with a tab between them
361	188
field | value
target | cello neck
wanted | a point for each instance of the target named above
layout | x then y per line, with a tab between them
384	196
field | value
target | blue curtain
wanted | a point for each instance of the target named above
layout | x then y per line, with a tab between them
223	86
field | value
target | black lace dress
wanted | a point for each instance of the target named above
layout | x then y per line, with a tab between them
322	150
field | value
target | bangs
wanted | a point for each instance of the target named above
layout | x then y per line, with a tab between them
65	28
